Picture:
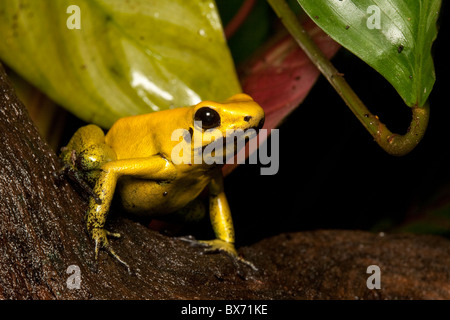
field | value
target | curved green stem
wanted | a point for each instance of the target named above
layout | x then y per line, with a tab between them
392	143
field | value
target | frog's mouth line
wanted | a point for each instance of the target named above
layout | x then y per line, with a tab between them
229	146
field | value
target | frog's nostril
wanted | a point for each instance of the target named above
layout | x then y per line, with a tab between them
247	118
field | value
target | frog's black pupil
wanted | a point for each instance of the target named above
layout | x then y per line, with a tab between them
208	116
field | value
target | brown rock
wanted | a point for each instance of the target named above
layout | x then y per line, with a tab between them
333	264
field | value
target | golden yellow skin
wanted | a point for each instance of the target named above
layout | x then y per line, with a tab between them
135	156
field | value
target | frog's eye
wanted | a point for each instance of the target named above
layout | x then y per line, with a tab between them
210	118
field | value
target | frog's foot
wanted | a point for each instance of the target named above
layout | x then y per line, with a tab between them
100	237
218	245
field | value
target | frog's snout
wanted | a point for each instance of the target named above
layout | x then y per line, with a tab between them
260	123
251	111
256	125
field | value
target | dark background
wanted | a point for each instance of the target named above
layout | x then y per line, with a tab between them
332	174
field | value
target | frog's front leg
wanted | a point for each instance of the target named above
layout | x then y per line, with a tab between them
221	220
154	167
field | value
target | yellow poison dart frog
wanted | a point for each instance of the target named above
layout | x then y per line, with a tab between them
136	157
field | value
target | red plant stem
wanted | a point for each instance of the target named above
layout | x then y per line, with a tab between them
239	18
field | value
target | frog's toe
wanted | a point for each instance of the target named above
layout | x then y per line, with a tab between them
217	245
118	258
113	234
192	241
100	237
247	263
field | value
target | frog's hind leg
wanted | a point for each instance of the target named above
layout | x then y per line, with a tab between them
84	138
83	156
85	153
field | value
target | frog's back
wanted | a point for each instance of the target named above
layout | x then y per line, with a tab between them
146	135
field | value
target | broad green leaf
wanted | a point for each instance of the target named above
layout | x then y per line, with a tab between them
392	36
129	57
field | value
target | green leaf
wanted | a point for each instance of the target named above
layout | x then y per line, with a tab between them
129	57
399	47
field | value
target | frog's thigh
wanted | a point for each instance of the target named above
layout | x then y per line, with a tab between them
95	156
90	149
85	137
